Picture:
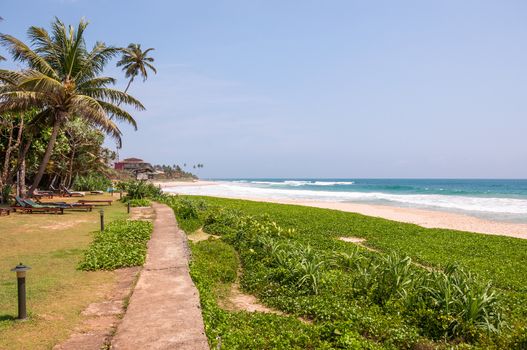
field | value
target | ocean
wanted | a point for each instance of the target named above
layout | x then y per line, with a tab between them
495	199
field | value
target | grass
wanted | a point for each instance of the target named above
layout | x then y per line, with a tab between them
57	292
323	293
121	244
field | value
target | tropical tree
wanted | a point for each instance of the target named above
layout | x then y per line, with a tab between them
63	81
135	62
2	58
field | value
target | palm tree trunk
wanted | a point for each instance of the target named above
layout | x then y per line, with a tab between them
126	90
22	168
128	86
47	155
7	159
111	117
22	178
69	176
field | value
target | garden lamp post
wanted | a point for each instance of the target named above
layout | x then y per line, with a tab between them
21	270
128	207
101	212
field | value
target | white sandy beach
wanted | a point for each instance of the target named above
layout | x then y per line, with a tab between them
425	218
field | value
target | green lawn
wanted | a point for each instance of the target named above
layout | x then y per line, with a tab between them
52	245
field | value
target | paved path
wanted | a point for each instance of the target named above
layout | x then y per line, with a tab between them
164	310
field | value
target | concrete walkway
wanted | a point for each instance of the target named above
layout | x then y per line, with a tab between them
164	310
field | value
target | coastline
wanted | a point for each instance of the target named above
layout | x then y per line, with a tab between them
422	217
190	182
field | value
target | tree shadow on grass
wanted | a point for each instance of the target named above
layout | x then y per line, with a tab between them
7	318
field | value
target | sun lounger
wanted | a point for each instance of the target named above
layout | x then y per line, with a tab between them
68	193
96	201
28	206
19	203
66	206
43	194
96	192
54	190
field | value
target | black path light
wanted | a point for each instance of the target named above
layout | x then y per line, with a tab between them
101	212
21	270
128	207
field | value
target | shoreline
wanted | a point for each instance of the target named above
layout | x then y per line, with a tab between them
422	217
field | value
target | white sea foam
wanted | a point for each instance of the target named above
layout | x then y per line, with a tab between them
472	204
296	183
331	183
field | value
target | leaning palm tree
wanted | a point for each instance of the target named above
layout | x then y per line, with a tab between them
63	80
2	58
135	62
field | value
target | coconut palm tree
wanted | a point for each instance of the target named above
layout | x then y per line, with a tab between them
2	58
136	62
62	80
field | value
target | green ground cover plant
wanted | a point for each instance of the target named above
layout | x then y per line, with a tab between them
121	244
143	202
421	288
213	269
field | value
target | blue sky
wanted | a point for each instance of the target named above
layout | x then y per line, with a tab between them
318	88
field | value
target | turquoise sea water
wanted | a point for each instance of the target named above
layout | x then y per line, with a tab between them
495	199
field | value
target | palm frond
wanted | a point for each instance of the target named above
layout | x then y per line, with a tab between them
20	101
10	76
119	113
96	83
135	61
95	61
91	110
38	82
23	53
114	96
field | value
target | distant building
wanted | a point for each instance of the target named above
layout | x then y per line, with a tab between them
137	167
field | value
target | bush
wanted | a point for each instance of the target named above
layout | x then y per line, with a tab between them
5	193
137	189
121	244
140	202
92	182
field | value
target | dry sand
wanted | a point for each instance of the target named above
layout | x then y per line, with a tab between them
170	183
421	217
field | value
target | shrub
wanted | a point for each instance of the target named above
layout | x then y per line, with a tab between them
5	192
139	202
137	189
393	278
121	244
464	304
92	182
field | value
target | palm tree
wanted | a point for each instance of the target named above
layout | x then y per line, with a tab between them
135	62
63	81
2	58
